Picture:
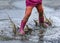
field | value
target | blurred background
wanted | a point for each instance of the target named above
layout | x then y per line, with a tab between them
50	3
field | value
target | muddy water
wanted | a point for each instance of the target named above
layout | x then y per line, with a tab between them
51	36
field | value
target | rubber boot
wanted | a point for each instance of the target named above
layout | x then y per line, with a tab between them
42	25
41	22
21	30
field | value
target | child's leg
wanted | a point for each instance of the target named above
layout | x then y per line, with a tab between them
25	19
41	16
41	20
40	11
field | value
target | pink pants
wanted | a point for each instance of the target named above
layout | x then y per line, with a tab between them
33	2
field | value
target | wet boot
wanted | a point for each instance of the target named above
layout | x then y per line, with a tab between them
41	22
21	30
42	25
